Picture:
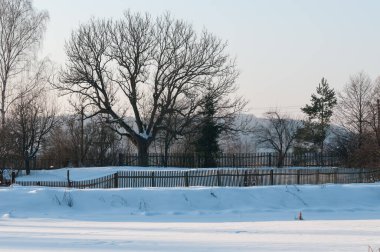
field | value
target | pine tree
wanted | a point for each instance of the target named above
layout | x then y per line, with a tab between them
318	114
207	143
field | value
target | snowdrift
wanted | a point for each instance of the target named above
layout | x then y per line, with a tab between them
352	201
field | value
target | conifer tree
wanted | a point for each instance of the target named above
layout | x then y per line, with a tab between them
207	143
318	114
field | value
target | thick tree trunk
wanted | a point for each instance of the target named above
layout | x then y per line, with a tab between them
280	160
166	155
142	148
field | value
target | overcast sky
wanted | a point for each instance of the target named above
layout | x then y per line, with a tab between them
283	48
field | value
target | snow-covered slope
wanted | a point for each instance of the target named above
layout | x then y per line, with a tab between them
78	174
354	201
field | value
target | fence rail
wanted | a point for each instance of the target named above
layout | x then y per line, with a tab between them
219	177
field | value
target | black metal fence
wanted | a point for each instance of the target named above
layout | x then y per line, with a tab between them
237	160
219	177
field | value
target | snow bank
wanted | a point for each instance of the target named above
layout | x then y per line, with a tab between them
354	201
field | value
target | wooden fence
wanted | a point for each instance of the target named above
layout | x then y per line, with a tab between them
219	177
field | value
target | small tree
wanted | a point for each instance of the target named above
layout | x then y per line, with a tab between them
31	122
354	107
318	114
278	132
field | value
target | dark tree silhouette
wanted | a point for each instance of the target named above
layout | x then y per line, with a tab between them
319	114
146	68
209	132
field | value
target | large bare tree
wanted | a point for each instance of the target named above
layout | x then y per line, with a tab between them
146	68
374	106
21	31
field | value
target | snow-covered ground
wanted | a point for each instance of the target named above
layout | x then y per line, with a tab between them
285	236
352	201
336	218
83	173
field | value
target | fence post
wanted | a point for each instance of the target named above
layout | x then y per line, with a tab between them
245	178
335	177
68	179
271	177
187	179
360	175
153	182
270	159
317	177
116	180
218	177
13	177
298	176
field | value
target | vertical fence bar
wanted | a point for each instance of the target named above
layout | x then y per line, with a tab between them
68	178
271	176
361	175
116	180
187	179
270	159
218	177
13	179
317	177
245	178
153	180
298	176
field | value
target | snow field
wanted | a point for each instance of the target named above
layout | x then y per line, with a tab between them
352	201
337	217
289	236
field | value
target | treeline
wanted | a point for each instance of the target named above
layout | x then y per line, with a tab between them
140	84
343	124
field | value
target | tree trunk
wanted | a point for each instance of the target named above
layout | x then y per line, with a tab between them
2	109
322	153
166	155
27	165
142	147
280	160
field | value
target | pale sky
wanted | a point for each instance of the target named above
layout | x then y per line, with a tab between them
283	48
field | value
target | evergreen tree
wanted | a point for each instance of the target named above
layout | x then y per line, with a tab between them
207	143
318	114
